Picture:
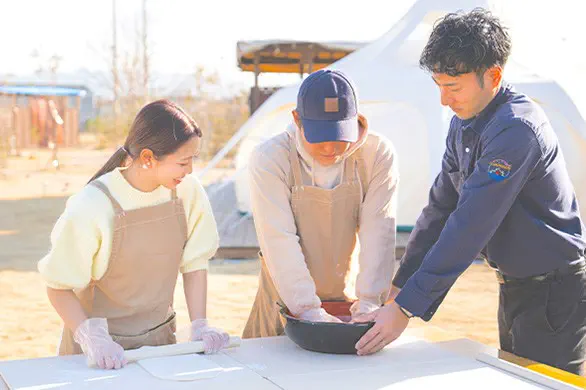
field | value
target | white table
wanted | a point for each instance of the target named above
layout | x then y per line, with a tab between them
277	363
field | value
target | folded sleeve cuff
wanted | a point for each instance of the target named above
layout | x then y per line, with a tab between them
199	264
415	301
57	286
401	277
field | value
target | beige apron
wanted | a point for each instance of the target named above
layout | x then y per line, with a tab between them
327	222
136	292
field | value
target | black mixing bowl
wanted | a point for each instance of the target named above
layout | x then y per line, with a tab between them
326	337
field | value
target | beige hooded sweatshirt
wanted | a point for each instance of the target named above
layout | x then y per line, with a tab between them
270	185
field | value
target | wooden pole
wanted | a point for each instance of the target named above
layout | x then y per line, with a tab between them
256	69
145	58
14	125
115	65
75	139
256	91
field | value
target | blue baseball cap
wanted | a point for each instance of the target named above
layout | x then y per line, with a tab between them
328	107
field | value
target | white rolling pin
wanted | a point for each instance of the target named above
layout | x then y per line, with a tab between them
148	352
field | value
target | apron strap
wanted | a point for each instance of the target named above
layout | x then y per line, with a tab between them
181	216
361	165
102	187
295	163
348	169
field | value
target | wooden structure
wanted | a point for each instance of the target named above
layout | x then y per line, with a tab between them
41	115
278	56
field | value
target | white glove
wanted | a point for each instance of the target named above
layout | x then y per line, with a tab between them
213	339
97	344
318	315
362	307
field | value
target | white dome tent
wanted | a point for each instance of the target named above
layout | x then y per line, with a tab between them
402	102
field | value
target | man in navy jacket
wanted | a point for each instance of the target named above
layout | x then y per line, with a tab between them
504	193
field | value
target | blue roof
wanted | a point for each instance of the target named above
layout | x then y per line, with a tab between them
41	90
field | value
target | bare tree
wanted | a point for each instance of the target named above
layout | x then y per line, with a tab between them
115	76
54	62
131	80
219	117
203	107
145	53
46	64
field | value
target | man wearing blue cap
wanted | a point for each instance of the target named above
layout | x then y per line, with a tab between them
315	189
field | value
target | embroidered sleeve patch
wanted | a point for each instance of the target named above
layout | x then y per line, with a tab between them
499	170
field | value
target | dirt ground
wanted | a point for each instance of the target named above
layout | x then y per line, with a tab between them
32	196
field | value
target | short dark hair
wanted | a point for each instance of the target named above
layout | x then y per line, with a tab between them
466	42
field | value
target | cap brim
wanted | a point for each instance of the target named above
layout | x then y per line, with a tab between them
317	131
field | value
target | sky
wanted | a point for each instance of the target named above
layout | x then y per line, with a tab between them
187	33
